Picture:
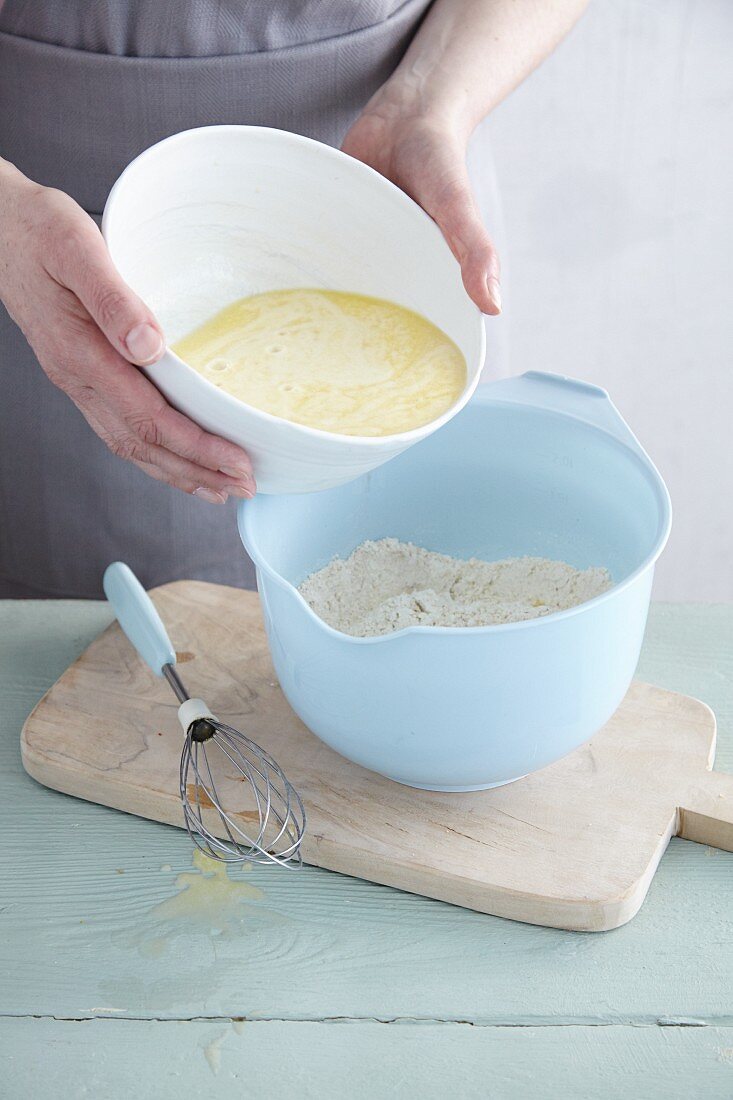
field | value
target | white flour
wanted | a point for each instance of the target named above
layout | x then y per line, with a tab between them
388	585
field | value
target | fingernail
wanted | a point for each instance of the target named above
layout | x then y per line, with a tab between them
210	495
494	289
245	492
144	343
239	473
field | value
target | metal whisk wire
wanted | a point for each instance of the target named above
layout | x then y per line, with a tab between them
278	804
279	812
276	799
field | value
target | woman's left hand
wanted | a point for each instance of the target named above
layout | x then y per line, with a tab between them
427	159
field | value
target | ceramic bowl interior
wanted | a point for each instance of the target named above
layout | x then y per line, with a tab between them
214	214
497	482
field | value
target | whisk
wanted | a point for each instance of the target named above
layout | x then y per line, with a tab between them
277	836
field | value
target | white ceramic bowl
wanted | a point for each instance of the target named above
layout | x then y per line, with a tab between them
213	214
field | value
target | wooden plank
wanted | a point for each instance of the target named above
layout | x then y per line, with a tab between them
572	846
114	1060
78	938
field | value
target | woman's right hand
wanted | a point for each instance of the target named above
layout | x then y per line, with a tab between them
90	333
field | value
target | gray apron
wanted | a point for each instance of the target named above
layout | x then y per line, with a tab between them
84	87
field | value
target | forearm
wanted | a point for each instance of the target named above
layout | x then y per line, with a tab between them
470	54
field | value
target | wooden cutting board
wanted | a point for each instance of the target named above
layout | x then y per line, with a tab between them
572	846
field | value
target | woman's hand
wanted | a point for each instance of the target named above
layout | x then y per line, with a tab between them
427	159
464	60
90	333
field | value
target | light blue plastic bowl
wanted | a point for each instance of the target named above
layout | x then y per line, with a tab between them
539	465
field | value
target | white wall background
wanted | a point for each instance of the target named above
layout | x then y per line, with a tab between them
614	162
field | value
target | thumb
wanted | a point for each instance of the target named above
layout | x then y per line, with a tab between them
454	209
83	264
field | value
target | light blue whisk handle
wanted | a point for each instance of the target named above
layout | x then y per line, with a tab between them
137	616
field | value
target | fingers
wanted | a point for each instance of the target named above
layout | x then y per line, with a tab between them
201	492
151	419
79	260
133	419
184	475
159	462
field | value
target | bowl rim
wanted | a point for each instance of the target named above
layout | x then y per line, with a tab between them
637	453
358	168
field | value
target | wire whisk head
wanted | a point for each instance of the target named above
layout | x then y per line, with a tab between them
277	815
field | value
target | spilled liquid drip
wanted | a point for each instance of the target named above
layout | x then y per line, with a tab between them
336	361
207	898
208	902
192	939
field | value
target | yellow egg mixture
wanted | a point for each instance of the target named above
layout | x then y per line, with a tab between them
332	360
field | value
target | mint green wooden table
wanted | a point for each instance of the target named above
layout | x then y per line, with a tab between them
331	987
